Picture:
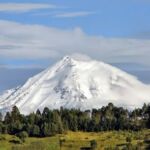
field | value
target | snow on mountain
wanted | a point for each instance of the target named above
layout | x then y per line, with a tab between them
73	83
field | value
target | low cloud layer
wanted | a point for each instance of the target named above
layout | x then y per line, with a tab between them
20	41
23	7
73	14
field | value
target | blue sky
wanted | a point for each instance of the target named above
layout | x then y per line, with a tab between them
36	33
115	18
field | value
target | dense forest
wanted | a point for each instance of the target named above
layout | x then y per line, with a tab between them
51	122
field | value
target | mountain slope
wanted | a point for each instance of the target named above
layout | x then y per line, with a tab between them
80	84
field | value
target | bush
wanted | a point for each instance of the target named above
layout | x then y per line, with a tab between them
2	138
61	141
128	139
93	144
14	141
22	135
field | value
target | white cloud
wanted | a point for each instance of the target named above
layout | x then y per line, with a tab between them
74	14
23	7
79	56
40	42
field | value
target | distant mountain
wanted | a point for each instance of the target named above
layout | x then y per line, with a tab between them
73	83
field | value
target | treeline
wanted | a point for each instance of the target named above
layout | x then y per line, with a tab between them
51	122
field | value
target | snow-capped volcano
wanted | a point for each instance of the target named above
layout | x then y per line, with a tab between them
73	83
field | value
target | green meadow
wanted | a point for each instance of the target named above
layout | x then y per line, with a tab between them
75	140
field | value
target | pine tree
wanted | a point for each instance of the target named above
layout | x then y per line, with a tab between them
35	131
1	117
15	114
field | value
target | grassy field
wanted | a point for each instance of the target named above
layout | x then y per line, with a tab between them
76	140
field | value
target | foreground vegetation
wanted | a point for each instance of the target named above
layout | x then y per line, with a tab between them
109	140
52	122
107	128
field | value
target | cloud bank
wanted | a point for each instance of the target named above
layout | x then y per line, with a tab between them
74	14
23	7
20	41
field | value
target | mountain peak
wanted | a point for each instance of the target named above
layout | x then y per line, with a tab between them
67	61
67	58
77	84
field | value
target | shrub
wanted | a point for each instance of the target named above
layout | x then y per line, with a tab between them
128	139
93	144
22	135
15	141
2	138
